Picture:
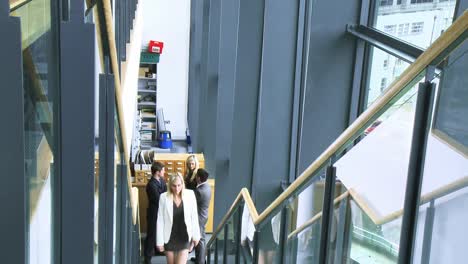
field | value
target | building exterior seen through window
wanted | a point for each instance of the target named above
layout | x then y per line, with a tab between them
419	22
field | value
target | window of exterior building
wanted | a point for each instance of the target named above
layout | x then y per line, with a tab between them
386	2
421	1
390	29
385	64
383	84
417	27
403	29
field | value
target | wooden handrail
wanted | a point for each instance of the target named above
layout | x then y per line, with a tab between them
17	3
440	192
316	217
437	193
450	36
243	195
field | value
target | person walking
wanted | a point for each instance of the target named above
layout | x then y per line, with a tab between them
177	228
203	195
192	165
155	187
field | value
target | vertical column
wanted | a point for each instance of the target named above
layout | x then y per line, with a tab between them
246	90
327	214
13	224
201	138
415	171
211	96
274	113
106	168
120	229
229	23
194	92
77	131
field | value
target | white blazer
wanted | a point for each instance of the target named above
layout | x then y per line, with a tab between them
165	216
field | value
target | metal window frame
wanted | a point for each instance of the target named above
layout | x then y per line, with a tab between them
106	167
77	138
392	45
14	227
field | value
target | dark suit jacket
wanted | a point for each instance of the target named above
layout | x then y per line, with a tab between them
203	194
154	189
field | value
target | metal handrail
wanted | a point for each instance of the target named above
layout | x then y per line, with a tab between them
433	55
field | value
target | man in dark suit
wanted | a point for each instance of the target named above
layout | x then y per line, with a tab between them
203	195
154	188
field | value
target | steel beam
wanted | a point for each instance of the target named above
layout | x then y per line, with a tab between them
396	47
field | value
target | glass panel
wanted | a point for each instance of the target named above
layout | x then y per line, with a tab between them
337	241
375	172
210	257
219	248
310	204
419	22
290	218
441	230
230	239
269	240
40	78
247	235
307	244
451	112
371	242
383	70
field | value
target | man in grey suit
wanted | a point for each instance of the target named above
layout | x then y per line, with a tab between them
203	195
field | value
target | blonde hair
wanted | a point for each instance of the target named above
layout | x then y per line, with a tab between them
191	176
172	179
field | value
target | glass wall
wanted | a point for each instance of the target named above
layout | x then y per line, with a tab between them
375	173
443	210
40	78
417	22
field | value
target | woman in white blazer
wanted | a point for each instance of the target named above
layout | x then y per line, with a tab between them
177	229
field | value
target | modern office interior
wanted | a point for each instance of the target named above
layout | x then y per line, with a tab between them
333	131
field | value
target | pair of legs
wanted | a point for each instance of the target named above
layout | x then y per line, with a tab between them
266	256
177	257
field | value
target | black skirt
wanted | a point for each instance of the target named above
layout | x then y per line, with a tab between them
179	237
